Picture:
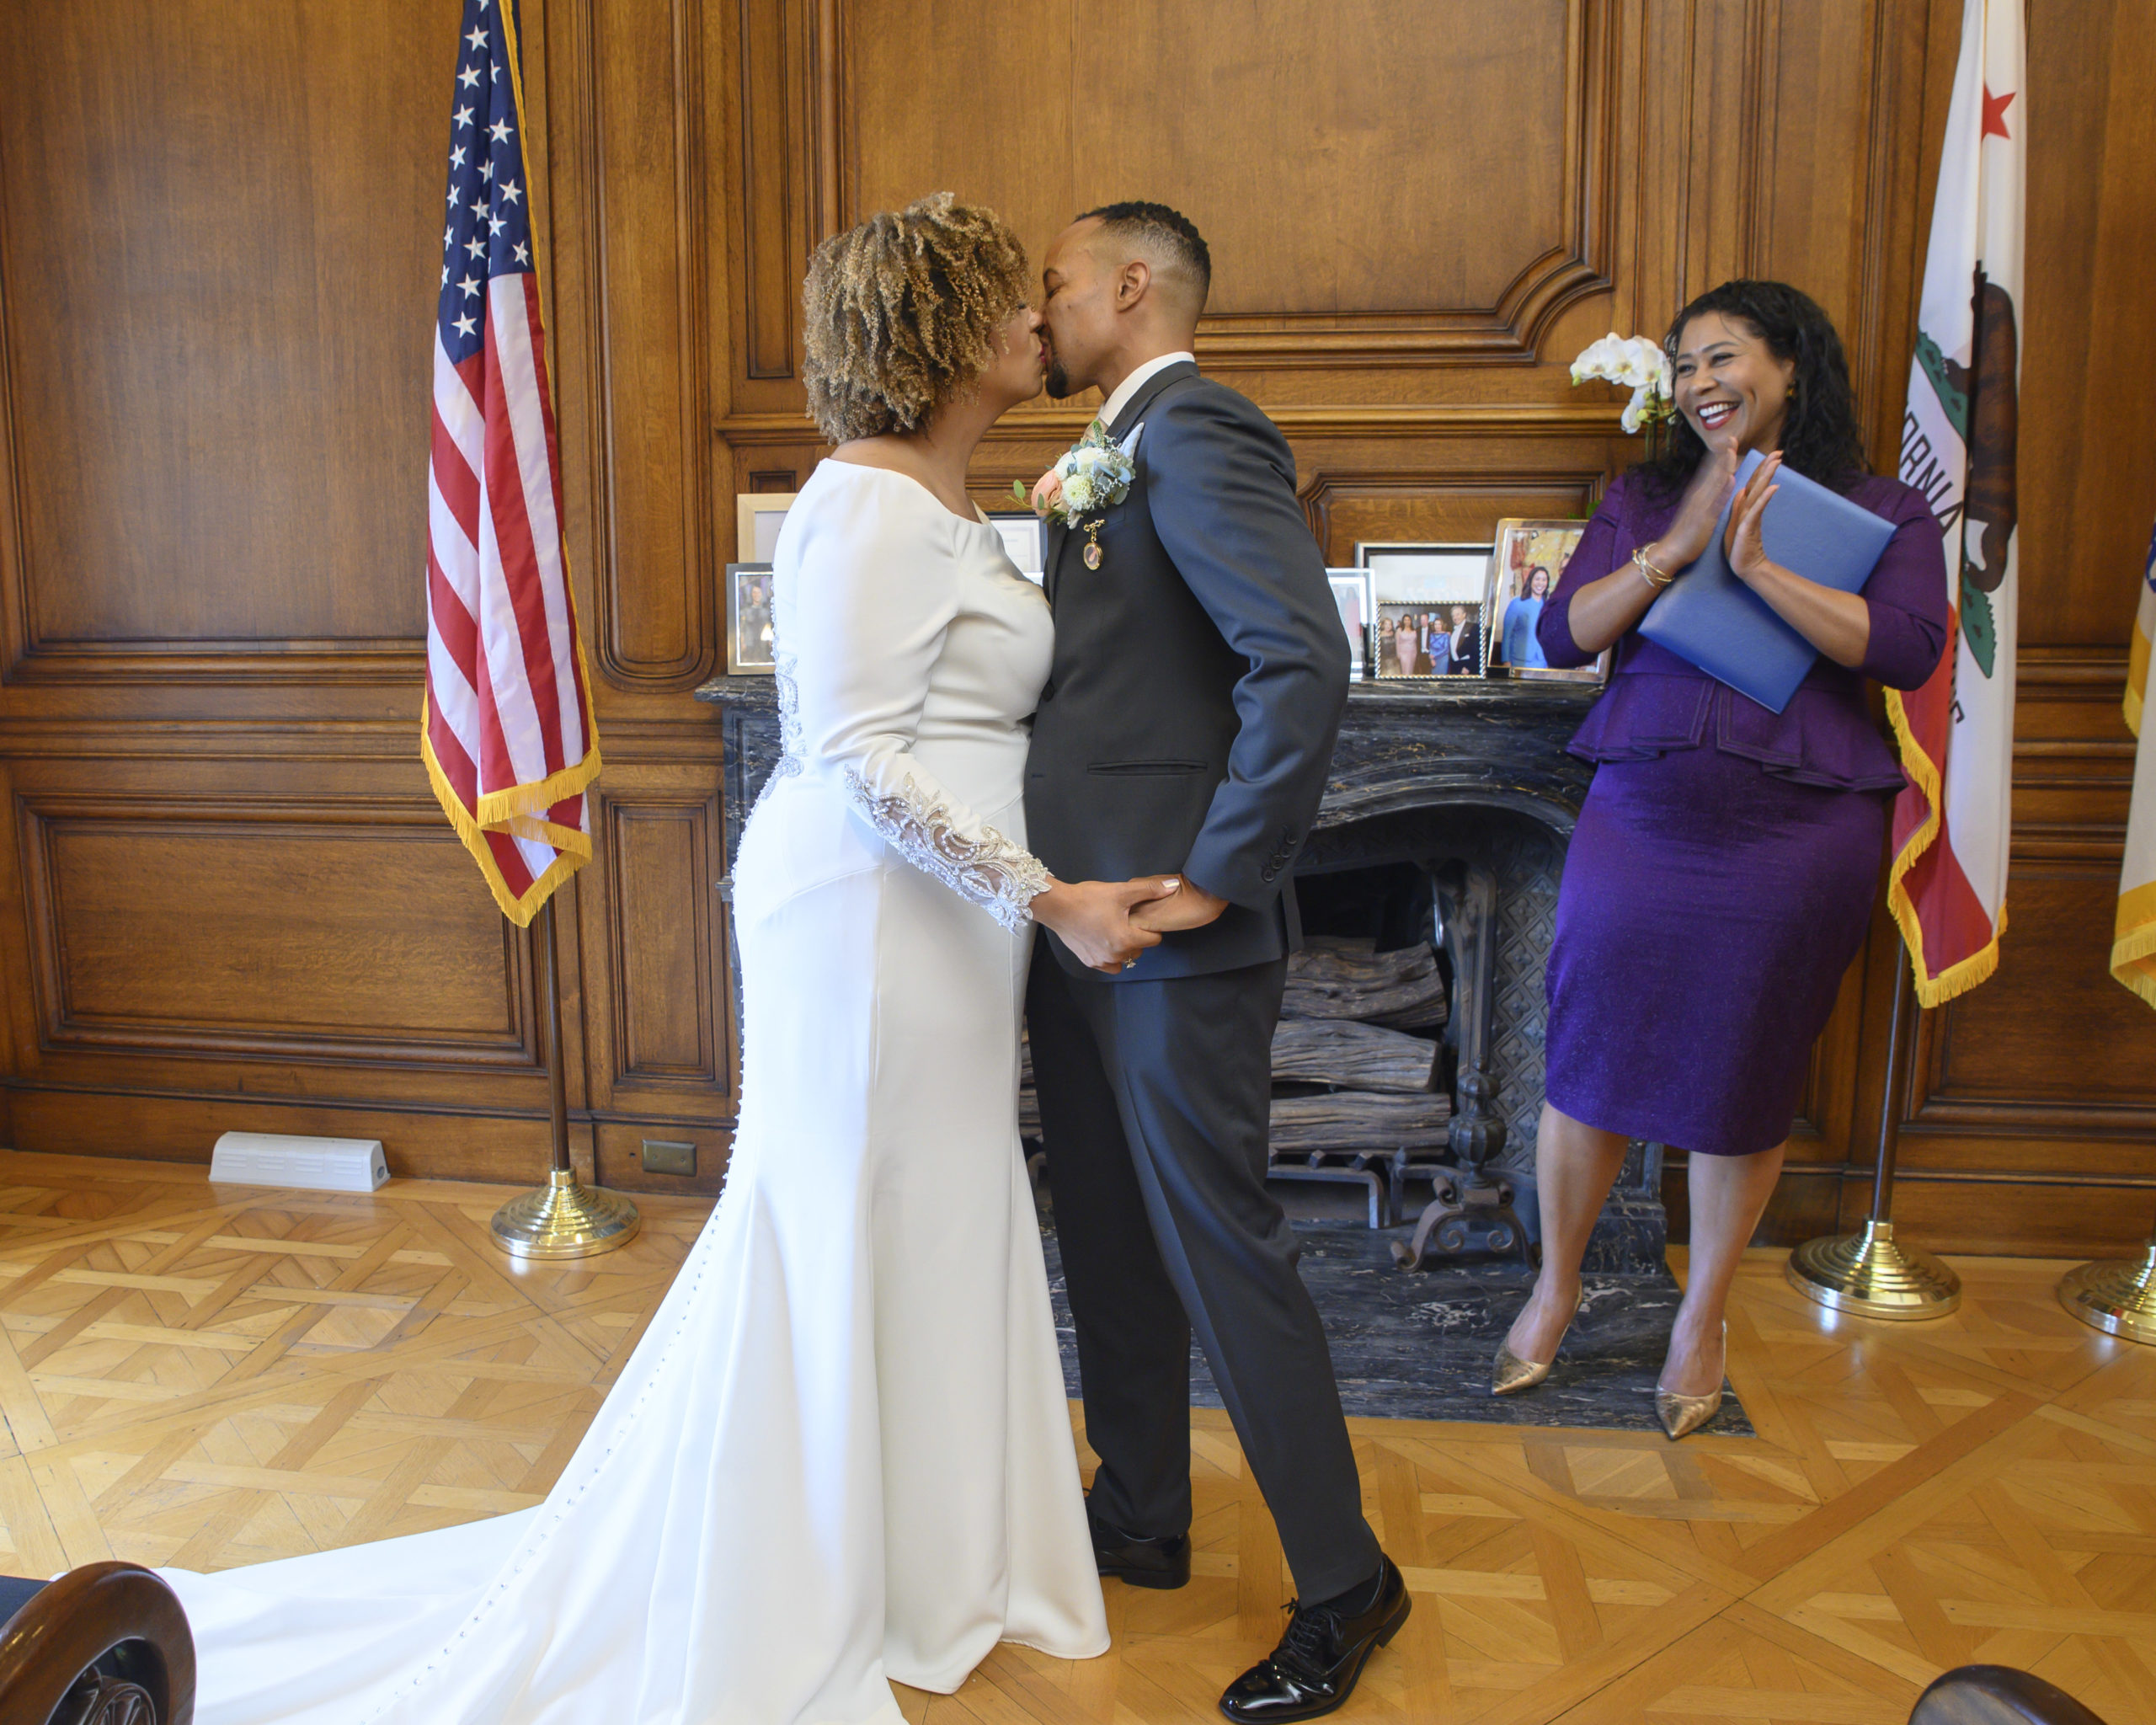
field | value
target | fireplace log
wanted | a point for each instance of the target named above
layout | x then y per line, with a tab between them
1356	1057
1337	978
1358	1121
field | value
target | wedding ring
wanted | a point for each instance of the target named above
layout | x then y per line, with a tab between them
1130	963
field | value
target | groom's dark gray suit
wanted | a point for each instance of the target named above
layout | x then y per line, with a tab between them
1187	728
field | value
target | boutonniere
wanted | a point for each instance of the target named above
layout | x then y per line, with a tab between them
1094	473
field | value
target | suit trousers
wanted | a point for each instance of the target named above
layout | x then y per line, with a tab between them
1155	1102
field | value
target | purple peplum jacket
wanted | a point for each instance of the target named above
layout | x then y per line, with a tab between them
1657	702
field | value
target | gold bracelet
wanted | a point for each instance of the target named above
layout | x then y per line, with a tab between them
1648	573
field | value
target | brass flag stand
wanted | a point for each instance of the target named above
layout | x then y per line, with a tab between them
1872	1274
563	1218
2117	1295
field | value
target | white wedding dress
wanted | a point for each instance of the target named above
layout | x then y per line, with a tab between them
841	1454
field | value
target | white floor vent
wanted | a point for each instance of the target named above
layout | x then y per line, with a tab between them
318	1164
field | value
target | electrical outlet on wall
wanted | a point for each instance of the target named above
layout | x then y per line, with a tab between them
663	1156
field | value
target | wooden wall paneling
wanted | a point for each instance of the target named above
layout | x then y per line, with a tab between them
2087	448
274	919
1348	505
772	92
774	70
639	132
2065	1215
663	949
663	1046
193	263
1449	480
334	935
1374	115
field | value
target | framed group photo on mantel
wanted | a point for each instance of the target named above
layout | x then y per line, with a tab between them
749	649
1525	563
1426	604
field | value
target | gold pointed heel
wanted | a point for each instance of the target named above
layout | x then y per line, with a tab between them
1511	1374
1683	1415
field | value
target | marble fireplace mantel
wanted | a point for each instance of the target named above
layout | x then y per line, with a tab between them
1403	746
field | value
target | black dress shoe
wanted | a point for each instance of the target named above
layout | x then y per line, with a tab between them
1314	1667
1161	1563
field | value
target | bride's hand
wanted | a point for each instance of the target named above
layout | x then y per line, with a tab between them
1092	917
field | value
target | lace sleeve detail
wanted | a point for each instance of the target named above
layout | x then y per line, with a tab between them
988	869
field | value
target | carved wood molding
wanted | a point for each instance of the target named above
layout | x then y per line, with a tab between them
379	663
1411	423
2133	1123
1576	490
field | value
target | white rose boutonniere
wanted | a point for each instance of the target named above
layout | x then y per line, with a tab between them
1091	476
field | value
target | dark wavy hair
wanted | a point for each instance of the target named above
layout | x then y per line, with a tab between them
1821	438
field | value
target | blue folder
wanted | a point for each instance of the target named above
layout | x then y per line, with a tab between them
1711	618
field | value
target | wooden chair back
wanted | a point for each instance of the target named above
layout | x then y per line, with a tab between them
106	1644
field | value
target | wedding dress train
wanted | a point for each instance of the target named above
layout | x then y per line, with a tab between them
841	1453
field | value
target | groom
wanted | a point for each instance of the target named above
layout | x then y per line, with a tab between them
1187	727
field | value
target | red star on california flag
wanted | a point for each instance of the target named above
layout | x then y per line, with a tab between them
1994	124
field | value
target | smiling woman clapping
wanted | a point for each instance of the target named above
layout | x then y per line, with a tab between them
1722	874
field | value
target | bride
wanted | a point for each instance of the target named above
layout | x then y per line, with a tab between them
841	1455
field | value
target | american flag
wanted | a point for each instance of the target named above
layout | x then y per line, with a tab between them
507	735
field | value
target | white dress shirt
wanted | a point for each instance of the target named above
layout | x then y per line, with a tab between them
1135	382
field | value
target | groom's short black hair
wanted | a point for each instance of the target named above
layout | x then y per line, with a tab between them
1159	228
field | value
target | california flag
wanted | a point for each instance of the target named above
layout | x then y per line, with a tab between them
2133	952
1947	884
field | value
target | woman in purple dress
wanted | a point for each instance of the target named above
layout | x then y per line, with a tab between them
1722	874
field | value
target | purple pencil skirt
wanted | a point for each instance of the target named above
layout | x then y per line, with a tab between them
1707	913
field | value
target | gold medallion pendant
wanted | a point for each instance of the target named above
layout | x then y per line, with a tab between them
1092	545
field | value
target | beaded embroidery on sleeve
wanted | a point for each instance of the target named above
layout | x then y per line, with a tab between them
989	870
789	723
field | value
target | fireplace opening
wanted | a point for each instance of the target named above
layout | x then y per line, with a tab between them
1362	1080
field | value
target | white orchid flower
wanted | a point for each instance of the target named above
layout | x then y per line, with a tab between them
1640	366
1600	359
1635	414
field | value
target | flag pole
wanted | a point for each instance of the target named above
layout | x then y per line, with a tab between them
563	1218
1871	1274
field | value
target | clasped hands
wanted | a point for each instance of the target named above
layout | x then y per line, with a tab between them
1108	923
1742	543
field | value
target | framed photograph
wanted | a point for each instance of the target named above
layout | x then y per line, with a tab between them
1351	592
1025	536
757	517
1524	565
749	619
1426	603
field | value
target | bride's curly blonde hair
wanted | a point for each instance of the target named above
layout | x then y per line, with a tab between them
902	313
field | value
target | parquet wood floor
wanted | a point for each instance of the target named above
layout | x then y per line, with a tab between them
209	1376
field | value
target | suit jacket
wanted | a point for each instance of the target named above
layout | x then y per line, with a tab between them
1199	677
